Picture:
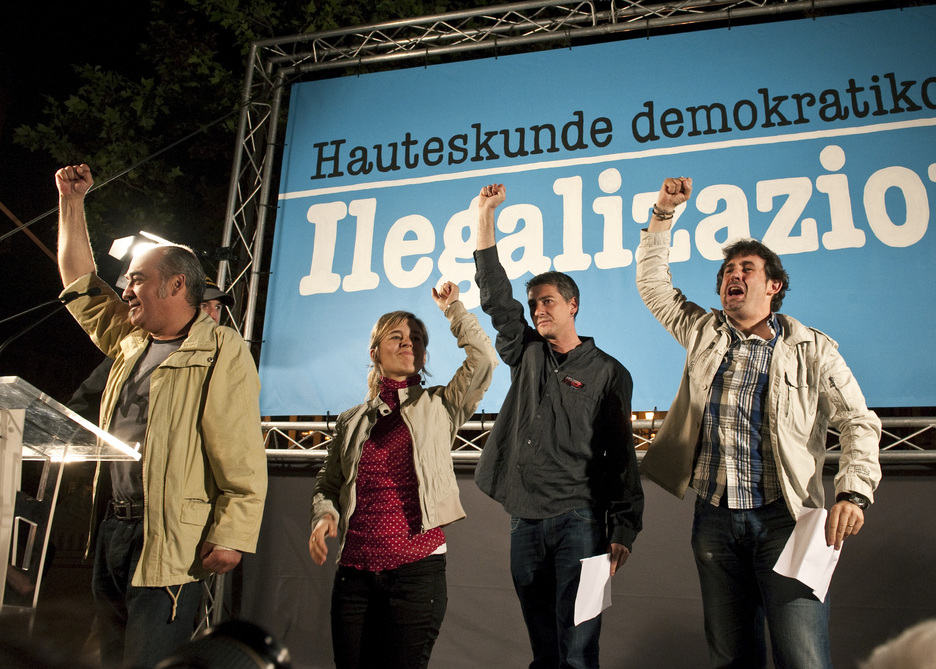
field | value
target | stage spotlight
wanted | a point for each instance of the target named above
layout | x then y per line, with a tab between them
126	248
235	644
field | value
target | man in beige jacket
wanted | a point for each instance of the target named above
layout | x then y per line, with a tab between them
747	432
187	391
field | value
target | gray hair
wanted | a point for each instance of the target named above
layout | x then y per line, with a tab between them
175	259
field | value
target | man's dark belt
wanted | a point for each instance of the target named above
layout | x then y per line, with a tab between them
126	510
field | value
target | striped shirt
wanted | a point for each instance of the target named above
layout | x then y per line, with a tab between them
734	454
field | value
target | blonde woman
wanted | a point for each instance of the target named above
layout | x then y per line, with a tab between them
388	487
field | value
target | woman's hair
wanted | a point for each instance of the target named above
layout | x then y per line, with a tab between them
383	327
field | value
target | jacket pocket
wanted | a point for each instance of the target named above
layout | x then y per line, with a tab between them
701	366
799	403
573	423
186	358
837	393
195	512
793	388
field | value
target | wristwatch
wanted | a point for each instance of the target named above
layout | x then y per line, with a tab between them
855	498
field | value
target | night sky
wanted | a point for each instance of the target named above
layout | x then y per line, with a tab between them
42	41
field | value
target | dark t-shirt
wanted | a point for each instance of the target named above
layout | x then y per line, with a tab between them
130	415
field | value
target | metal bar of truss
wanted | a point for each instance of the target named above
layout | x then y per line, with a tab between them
467	449
635	18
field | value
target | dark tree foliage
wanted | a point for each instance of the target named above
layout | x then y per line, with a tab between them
169	110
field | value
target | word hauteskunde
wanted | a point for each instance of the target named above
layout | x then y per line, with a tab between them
884	96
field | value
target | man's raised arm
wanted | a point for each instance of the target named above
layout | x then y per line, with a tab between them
673	193
75	258
489	198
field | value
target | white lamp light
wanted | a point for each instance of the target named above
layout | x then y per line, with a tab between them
127	248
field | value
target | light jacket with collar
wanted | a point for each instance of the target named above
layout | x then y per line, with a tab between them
204	465
432	415
810	388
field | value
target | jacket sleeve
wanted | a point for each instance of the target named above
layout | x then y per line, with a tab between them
626	498
507	314
326	494
464	392
105	317
233	443
655	285
842	401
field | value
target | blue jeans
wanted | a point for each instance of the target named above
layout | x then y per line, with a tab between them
137	626
545	564
388	619
735	552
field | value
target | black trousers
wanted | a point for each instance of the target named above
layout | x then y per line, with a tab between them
388	619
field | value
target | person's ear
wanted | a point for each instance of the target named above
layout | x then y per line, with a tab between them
177	284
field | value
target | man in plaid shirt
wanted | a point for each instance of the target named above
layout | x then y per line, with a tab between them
747	432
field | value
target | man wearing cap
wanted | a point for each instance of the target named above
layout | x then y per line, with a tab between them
186	390
214	300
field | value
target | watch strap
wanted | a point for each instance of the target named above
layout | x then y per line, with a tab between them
855	498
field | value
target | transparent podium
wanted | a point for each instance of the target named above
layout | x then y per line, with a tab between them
34	428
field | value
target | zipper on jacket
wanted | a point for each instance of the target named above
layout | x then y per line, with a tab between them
838	391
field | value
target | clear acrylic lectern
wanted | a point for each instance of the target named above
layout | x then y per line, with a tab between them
34	427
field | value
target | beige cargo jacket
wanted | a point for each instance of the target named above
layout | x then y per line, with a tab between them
204	465
810	388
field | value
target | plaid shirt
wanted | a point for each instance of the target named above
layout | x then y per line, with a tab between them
734	451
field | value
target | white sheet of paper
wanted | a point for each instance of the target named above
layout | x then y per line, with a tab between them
594	590
806	556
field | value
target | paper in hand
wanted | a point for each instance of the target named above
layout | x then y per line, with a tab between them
594	590
806	557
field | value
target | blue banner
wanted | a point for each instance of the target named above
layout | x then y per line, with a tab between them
816	136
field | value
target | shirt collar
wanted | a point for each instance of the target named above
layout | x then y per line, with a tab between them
389	389
772	322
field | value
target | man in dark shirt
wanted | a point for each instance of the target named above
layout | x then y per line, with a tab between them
560	457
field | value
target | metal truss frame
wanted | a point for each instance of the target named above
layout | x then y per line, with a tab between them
274	64
904	441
